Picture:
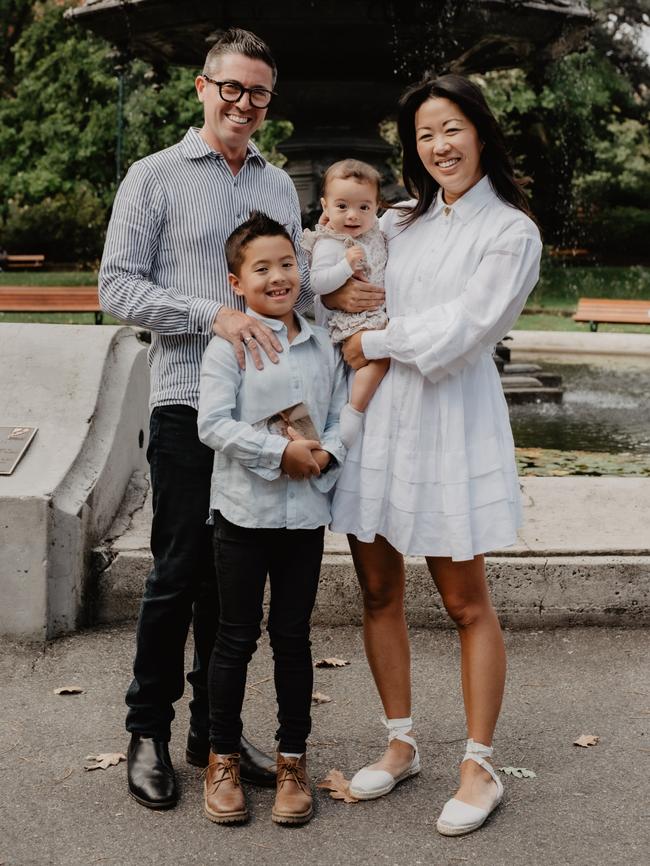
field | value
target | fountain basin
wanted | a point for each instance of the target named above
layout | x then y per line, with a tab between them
606	381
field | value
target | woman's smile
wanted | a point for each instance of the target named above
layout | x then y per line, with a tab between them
449	146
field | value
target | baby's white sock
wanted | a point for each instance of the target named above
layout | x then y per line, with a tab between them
350	424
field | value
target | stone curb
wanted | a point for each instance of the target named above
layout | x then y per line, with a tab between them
527	591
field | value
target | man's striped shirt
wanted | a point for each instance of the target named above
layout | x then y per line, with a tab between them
164	266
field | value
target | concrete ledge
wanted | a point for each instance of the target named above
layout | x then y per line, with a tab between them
530	343
527	592
582	558
86	390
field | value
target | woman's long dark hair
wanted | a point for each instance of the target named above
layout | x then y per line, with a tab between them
495	159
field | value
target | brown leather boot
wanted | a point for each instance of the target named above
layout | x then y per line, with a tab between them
293	800
224	798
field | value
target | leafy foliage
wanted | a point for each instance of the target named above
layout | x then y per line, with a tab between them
577	127
58	121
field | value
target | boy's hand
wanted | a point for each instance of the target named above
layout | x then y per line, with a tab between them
242	330
323	458
355	296
298	459
356	258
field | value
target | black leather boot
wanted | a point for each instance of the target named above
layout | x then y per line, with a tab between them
150	772
198	748
255	767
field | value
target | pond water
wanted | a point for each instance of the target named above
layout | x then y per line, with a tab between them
606	407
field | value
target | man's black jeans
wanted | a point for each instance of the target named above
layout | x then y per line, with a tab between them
243	558
182	584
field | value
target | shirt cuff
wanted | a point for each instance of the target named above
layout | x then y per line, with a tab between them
374	344
203	312
270	459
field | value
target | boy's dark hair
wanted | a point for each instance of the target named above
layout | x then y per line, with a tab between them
258	225
237	41
354	168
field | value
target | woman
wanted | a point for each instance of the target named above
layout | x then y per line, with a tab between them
434	473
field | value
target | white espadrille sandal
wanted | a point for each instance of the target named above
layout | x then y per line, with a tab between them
458	818
369	784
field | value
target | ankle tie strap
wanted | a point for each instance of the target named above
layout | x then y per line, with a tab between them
478	749
399	729
477	752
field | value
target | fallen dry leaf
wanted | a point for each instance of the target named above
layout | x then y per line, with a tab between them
320	698
68	690
103	761
331	663
338	786
586	740
518	772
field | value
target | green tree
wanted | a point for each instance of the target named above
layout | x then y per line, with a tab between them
58	121
578	128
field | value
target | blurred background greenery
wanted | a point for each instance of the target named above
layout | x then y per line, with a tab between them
577	128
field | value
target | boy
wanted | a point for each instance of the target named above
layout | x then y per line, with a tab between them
270	503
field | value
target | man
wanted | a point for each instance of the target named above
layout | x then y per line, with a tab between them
164	269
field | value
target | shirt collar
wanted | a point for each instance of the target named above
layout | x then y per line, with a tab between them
194	147
470	203
306	331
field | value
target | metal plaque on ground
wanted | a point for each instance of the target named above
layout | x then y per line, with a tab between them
14	441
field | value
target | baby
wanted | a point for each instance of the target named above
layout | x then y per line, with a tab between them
351	243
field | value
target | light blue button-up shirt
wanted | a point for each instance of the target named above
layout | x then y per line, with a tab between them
248	486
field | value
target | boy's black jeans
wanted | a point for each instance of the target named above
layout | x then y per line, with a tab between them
182	585
243	557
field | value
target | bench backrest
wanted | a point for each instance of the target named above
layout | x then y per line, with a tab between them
613	310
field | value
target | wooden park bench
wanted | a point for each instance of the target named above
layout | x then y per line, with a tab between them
612	312
51	299
23	261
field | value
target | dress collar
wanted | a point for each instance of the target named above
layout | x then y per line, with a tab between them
194	147
306	331
469	204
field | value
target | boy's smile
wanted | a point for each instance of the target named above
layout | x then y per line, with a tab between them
268	278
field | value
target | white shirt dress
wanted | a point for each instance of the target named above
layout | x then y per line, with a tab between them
434	472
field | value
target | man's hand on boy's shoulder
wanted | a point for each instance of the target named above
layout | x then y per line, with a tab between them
246	332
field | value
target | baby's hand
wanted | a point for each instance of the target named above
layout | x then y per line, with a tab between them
356	258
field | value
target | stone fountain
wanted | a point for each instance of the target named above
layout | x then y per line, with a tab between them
343	64
526	383
336	107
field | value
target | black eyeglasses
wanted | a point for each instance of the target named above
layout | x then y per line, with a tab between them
232	91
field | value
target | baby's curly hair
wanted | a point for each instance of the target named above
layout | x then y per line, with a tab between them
360	171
